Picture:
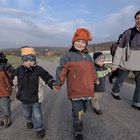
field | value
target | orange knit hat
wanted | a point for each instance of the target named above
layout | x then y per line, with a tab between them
82	34
26	50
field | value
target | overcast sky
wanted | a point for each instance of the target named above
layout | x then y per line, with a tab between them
53	22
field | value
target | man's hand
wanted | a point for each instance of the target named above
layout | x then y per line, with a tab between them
114	67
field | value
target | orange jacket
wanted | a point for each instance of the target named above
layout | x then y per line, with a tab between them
5	80
80	73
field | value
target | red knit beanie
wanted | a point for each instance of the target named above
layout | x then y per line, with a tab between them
82	34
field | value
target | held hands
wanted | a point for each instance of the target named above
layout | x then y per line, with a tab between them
114	67
97	82
54	88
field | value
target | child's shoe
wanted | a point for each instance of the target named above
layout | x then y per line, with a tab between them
29	125
7	121
117	97
40	134
78	136
98	111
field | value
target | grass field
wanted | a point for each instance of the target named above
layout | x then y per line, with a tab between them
14	60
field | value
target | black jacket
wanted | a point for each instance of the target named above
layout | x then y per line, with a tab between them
28	81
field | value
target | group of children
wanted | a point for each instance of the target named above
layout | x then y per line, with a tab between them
85	83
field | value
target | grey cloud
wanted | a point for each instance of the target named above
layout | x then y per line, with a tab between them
114	24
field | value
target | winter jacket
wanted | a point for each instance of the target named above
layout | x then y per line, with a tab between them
123	54
6	70
28	81
102	72
80	73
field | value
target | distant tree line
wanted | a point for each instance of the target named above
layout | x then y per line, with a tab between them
58	51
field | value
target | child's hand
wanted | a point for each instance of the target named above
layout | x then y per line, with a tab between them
56	90
114	68
97	82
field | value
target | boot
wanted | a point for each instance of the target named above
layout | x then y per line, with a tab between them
29	125
117	97
40	134
98	111
78	136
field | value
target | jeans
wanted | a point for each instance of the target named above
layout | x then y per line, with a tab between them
122	75
32	113
5	105
79	107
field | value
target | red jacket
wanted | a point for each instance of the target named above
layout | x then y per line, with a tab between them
80	73
5	80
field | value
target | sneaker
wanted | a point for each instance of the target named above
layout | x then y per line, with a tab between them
98	111
78	136
7	121
40	134
29	125
116	97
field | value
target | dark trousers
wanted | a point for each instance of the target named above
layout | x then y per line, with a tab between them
122	75
114	74
79	107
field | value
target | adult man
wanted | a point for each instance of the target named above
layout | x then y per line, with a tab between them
127	59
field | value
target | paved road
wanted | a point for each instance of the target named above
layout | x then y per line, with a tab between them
118	122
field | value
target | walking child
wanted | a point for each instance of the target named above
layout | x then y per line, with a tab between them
6	70
99	87
28	76
78	68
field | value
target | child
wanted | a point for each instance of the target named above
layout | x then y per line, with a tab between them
28	76
99	87
78	68
6	70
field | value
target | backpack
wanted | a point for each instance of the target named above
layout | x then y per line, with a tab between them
113	48
130	55
115	45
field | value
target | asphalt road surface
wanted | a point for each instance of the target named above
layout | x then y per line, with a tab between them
119	120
